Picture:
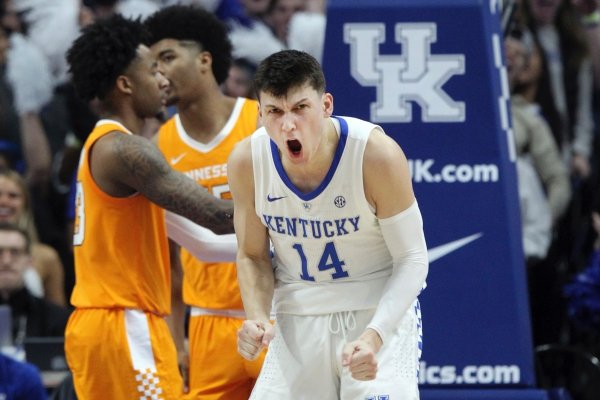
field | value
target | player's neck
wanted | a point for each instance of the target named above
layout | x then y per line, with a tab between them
206	117
123	113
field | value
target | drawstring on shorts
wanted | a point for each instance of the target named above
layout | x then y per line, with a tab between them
344	321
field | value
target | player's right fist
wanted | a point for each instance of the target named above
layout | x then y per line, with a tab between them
253	336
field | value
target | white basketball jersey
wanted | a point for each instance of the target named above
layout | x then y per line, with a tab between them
329	253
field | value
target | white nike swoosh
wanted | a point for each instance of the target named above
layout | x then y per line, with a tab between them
443	250
175	160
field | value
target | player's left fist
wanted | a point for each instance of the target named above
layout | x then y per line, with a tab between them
360	358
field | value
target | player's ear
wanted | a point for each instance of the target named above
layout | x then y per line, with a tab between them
205	60
124	84
327	101
260	113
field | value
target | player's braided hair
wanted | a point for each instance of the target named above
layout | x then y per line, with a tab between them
196	24
102	52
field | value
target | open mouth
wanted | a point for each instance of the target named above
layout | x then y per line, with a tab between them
294	146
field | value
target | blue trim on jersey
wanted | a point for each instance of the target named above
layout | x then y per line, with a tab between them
336	160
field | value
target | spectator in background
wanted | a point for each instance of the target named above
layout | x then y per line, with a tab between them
9	122
20	380
239	79
255	9
31	316
53	25
583	291
565	98
253	40
48	29
533	136
127	8
15	206
544	188
284	24
299	24
10	156
570	81
29	76
278	17
590	20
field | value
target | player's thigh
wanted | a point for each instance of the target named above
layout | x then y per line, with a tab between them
121	354
299	363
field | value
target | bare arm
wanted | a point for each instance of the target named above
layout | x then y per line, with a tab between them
47	262
124	164
386	175
255	273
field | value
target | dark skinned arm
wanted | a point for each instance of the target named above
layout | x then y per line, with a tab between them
123	164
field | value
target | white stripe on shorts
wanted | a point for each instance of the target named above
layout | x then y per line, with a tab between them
138	338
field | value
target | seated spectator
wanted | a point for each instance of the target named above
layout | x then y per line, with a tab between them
15	208
31	316
20	380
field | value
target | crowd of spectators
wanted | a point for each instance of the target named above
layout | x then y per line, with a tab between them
552	63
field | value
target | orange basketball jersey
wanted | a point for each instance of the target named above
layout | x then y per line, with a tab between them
121	251
209	285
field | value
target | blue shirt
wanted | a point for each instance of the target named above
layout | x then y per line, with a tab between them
20	381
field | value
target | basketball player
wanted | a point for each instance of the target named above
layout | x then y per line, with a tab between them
194	54
118	344
334	196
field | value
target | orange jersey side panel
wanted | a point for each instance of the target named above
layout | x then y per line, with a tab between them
121	251
209	285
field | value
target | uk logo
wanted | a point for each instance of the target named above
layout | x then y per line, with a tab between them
415	75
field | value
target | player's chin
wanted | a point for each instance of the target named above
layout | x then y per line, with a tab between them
161	114
171	100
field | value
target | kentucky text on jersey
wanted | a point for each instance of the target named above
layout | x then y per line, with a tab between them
311	228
